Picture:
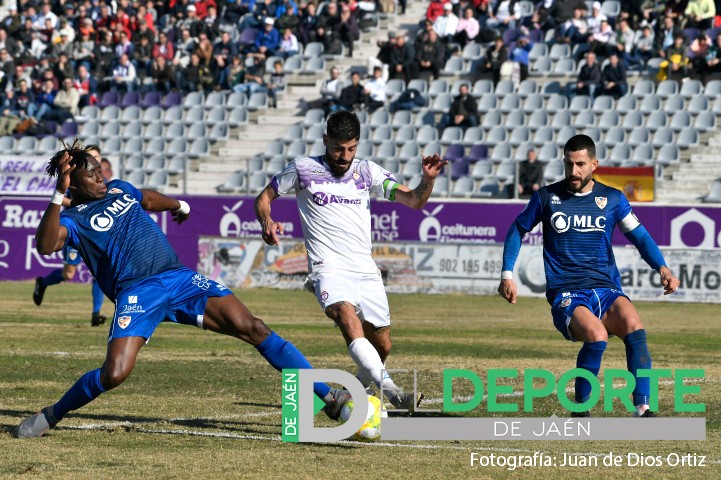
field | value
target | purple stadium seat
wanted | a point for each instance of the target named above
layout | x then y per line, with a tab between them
68	129
150	99
459	168
247	37
108	99
478	152
171	100
536	36
130	98
691	34
455	153
511	35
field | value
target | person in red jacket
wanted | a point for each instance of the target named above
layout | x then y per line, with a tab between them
164	48
435	10
201	8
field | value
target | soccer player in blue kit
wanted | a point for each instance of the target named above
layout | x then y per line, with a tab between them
583	284
137	268
71	258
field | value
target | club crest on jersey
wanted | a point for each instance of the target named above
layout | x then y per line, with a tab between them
566	302
73	255
601	202
114	191
124	321
102	222
555	200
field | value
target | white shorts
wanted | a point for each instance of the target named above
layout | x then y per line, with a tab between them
365	291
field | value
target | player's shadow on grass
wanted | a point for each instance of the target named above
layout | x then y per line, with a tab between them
22	414
254	427
247	427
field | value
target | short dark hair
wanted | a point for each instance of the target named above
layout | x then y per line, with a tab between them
94	147
578	143
343	126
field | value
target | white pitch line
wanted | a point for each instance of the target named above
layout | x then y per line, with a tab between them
277	438
465	398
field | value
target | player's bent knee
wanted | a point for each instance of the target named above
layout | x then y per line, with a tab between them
112	377
631	326
384	348
257	332
586	333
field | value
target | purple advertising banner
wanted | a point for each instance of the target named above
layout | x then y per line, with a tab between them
457	222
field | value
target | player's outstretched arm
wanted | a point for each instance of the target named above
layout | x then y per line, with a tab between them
511	248
418	197
271	230
157	202
639	236
50	235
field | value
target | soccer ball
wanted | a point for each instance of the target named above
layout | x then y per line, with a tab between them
371	429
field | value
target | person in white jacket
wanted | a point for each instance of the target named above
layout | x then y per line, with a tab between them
447	24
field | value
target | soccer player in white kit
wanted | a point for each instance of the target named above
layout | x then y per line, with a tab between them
333	194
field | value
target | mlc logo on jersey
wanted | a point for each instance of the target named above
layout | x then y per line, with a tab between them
102	222
580	223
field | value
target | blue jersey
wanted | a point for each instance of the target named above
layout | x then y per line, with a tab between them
577	230
117	239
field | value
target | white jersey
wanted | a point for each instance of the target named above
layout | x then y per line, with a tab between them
335	212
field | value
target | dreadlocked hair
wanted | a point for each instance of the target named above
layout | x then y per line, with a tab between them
79	155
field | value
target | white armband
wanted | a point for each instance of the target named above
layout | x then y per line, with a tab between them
184	207
506	275
57	198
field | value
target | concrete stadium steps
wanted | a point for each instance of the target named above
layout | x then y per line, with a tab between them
267	125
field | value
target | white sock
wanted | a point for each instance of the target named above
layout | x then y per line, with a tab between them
369	363
364	378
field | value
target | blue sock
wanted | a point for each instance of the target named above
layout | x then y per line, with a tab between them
281	354
98	297
637	357
85	390
55	277
589	358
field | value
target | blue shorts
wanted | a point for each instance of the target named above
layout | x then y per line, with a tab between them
177	296
71	256
597	300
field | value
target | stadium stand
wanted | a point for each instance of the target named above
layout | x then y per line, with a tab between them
209	107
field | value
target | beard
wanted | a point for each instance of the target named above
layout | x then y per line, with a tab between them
581	185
